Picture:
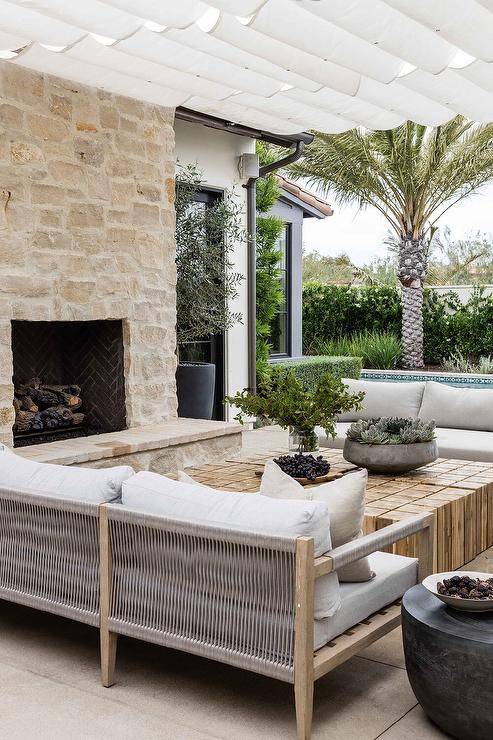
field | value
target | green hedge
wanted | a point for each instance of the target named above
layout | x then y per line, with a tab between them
336	310
310	369
331	311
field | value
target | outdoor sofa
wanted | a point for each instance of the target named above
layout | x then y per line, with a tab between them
464	416
241	597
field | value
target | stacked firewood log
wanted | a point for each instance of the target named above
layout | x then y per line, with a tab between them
39	406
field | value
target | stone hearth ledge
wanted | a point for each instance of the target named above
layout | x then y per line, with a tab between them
158	447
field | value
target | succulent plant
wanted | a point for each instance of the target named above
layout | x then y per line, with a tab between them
391	431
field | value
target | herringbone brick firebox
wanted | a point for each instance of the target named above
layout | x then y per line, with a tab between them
81	354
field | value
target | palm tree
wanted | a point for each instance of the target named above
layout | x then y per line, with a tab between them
412	174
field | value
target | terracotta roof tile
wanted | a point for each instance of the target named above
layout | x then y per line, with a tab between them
304	195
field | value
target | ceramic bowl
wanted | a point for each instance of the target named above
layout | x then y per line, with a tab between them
464	605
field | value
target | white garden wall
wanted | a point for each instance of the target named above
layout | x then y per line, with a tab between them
463	291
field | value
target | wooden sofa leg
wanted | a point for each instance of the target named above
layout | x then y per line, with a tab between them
303	636
108	657
107	639
303	697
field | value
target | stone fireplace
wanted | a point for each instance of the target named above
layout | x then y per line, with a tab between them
87	273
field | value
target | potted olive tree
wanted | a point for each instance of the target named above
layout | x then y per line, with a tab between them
283	400
206	283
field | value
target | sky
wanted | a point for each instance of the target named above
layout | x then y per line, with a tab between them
361	234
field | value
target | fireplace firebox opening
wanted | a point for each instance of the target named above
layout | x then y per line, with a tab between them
68	379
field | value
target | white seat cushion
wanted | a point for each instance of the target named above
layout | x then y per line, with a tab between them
465	444
458	408
394	575
385	399
96	486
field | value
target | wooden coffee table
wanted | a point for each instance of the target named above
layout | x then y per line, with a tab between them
458	492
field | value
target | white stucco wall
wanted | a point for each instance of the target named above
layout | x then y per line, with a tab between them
463	291
216	154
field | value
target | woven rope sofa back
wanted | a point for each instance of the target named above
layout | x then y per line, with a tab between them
218	593
49	554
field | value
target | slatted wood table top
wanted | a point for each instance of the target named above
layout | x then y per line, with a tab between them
458	492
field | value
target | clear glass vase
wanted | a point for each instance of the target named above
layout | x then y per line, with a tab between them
303	440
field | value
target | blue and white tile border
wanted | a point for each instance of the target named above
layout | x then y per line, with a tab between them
405	376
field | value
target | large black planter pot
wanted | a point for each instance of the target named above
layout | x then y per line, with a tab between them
195	384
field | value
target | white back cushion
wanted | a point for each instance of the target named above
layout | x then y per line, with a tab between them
345	499
156	494
64	481
458	408
385	399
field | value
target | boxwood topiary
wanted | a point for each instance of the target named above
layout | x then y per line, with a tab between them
310	369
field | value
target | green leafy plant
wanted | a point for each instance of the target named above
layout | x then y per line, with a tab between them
391	431
381	350
333	315
206	281
310	369
269	291
334	311
283	400
461	363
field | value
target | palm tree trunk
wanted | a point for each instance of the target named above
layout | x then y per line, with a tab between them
412	273
412	327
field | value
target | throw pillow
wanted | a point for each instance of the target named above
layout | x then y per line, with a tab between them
345	499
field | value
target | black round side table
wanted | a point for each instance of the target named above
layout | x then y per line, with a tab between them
449	661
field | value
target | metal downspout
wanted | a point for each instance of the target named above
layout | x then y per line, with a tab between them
252	257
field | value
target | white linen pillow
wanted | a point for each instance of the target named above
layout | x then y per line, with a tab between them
458	408
345	499
63	481
155	494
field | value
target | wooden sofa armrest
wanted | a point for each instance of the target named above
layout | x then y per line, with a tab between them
422	525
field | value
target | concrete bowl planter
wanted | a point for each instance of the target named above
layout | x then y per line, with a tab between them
390	458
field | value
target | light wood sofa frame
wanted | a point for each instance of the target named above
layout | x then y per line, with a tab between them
241	598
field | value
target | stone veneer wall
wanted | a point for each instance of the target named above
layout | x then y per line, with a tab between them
87	226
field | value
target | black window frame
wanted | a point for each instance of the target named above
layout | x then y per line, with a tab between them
288	230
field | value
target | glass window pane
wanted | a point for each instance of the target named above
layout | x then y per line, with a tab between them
281	245
280	335
279	338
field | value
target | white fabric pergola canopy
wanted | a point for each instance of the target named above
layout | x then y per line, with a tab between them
280	65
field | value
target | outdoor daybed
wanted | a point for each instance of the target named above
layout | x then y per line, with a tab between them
464	416
240	595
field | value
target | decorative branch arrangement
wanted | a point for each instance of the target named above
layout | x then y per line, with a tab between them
284	401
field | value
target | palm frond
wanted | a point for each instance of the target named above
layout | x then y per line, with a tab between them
412	174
